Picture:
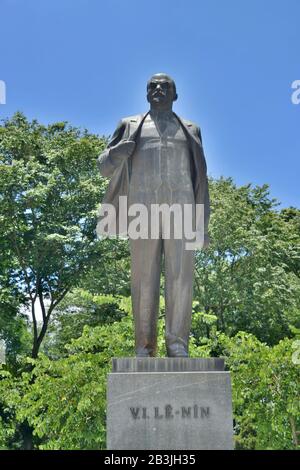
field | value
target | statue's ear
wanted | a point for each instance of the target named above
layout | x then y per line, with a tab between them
175	97
148	95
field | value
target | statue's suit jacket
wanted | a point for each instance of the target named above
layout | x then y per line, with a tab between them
128	129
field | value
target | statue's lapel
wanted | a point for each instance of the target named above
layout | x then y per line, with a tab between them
187	129
137	122
135	125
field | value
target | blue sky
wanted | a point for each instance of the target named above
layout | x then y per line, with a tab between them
88	61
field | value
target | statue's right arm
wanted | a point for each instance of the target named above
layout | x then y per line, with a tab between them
105	161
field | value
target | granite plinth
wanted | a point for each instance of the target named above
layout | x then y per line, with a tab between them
169	409
167	364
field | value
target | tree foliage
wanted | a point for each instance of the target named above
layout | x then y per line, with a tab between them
64	400
49	191
246	303
249	276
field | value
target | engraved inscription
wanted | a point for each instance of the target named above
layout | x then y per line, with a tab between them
169	412
135	412
186	412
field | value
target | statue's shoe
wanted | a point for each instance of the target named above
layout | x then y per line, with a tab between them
144	352
177	351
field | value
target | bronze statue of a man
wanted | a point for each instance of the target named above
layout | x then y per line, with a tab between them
157	158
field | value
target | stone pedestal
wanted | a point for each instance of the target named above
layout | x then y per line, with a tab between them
169	404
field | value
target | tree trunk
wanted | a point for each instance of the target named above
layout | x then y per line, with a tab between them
27	436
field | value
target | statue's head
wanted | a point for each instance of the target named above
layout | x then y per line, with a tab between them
161	91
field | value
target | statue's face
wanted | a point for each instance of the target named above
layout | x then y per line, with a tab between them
160	92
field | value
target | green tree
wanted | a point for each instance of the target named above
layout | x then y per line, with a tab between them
64	400
249	276
266	389
78	309
247	297
13	325
50	189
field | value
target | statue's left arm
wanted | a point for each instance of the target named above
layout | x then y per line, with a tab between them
205	192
